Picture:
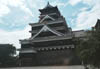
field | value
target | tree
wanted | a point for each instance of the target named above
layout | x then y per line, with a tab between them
7	53
88	49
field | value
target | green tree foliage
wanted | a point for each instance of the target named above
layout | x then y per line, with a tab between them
7	53
89	49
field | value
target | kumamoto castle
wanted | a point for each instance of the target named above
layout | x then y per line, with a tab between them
51	41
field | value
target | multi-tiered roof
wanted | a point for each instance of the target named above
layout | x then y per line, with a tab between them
51	26
50	39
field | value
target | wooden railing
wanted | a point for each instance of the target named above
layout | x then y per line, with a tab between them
56	28
49	22
49	38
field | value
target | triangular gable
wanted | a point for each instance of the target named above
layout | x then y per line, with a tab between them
61	34
47	17
45	28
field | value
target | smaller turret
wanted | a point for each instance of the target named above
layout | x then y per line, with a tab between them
97	26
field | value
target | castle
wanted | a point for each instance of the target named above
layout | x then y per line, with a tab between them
51	41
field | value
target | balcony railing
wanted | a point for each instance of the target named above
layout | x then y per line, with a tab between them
34	31
49	22
59	28
56	28
49	38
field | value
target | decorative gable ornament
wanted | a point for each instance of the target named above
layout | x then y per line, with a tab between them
47	17
46	28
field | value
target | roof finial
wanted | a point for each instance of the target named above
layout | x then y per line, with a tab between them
48	3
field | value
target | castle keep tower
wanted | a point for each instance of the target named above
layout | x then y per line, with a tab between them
51	41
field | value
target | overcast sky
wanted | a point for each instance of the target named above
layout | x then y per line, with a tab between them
15	15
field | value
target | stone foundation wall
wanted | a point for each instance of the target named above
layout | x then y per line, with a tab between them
57	57
51	58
